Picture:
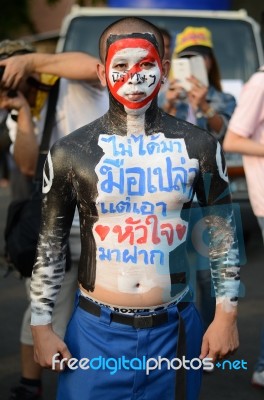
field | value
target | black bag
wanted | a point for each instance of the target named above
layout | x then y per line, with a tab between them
21	232
23	216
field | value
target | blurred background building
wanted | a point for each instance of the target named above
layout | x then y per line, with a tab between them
40	20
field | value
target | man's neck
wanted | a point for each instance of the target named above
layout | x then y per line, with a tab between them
135	122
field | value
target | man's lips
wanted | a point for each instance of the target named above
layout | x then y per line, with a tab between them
135	96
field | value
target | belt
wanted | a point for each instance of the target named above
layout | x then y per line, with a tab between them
138	321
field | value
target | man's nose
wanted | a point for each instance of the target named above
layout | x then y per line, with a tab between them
134	78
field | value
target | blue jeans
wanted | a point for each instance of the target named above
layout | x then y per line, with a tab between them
103	341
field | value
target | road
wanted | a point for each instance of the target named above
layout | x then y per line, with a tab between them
222	384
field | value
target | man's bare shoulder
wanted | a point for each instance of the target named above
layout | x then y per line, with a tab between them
80	145
183	129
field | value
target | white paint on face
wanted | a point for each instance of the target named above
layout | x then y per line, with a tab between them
141	82
47	180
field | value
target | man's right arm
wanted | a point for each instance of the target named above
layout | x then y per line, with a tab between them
58	208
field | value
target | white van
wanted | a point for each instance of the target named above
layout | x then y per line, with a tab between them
236	39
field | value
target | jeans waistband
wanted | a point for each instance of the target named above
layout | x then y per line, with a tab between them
138	321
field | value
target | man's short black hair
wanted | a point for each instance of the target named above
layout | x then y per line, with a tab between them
126	24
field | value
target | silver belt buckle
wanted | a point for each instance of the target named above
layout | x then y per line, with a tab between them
143	321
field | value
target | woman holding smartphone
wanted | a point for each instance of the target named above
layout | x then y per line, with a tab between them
205	106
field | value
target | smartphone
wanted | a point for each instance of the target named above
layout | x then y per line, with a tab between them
198	69
183	68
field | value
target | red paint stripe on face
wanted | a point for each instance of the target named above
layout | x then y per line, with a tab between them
151	56
139	104
129	43
135	69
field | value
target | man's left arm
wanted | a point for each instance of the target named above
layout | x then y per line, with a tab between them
221	338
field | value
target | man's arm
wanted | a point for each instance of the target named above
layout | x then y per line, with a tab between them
221	338
235	143
246	120
48	272
70	65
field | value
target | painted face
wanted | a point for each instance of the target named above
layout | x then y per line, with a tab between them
133	70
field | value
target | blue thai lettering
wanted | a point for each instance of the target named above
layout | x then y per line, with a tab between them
133	181
108	184
127	257
151	188
180	180
158	171
145	256
140	141
123	206
104	254
116	163
152	146
118	254
154	253
163	207
144	208
147	208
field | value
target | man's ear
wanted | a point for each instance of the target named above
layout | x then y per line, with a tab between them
165	69
101	74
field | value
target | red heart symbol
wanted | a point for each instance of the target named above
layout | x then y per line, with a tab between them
180	229
102	231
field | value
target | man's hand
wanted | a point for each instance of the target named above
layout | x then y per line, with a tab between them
16	102
16	69
46	345
221	338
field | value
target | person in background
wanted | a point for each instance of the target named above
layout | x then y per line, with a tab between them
209	108
167	39
245	135
81	99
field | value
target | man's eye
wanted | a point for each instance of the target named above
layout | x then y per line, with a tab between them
120	67
147	65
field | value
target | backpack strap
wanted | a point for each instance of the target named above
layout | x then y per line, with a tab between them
49	122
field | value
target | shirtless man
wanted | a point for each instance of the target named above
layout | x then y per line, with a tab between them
133	174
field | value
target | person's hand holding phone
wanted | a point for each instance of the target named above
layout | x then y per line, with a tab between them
174	91
197	94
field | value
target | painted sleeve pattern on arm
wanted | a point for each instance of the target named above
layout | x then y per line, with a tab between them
57	214
223	243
